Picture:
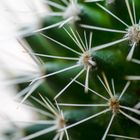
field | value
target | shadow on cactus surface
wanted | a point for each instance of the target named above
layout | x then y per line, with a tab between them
89	53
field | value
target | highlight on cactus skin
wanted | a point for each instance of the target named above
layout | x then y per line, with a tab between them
81	44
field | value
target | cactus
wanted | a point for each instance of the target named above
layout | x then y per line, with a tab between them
88	86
